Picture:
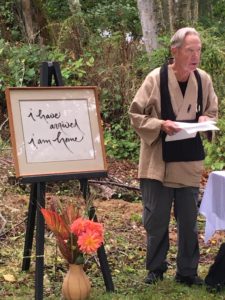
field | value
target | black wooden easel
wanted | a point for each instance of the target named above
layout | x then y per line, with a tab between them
37	200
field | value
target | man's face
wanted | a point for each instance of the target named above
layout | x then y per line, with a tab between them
187	57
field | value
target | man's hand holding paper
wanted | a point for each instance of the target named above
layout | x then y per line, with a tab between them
189	130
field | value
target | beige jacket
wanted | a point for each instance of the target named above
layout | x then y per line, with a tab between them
145	115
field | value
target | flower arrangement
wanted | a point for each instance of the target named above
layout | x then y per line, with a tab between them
75	235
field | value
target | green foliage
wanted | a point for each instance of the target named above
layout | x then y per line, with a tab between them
214	17
73	71
215	150
72	35
121	143
9	27
111	16
213	59
160	55
6	11
135	217
56	10
20	65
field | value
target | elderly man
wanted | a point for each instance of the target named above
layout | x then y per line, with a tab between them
170	172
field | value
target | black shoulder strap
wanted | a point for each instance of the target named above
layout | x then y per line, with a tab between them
166	105
199	101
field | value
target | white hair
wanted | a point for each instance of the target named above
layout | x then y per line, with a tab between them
179	36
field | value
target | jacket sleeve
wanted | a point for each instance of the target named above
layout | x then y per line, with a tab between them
144	111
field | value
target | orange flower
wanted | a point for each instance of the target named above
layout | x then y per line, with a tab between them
89	242
94	227
81	225
78	226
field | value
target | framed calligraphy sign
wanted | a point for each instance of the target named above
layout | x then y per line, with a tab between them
55	130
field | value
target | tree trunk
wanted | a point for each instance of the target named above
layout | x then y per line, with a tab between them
163	16
27	17
194	10
186	12
204	9
167	15
183	13
33	21
148	22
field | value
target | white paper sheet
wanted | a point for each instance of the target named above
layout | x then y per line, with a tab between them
189	130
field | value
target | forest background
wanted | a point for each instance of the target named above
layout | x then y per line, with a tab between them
112	45
102	44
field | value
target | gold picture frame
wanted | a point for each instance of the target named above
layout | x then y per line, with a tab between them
55	130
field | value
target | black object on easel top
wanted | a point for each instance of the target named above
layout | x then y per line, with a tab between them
48	71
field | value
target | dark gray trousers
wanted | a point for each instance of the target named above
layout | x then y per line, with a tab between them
157	204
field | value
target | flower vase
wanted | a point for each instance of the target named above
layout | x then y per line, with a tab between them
76	284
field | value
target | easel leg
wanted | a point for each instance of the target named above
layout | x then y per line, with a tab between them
40	231
103	259
105	269
30	228
101	251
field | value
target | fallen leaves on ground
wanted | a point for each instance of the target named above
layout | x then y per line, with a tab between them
125	238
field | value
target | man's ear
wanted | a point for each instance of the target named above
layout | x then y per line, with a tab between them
173	51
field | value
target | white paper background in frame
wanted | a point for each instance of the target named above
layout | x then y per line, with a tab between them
55	130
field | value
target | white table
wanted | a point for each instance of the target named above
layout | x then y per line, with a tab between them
213	204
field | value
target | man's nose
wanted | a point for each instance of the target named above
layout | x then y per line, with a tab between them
196	53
